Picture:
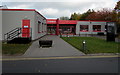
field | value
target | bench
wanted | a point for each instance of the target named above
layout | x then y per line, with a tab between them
45	43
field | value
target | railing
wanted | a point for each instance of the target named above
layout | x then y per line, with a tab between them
17	32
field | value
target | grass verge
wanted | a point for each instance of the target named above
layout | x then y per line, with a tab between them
93	45
13	49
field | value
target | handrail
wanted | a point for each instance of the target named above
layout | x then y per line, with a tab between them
12	30
15	33
12	34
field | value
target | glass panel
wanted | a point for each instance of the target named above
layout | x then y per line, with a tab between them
96	27
66	29
51	30
83	28
39	26
110	29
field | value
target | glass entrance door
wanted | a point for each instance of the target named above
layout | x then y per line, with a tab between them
67	29
51	30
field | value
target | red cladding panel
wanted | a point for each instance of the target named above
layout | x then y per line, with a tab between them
19	9
53	21
67	21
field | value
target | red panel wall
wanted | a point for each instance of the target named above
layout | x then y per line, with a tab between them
53	21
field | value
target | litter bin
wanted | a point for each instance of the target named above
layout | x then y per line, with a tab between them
45	43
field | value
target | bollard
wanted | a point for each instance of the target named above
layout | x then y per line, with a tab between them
68	37
84	46
60	35
79	34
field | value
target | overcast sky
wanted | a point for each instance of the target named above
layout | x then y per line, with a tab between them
58	8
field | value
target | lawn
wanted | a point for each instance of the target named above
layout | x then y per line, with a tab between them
93	44
12	49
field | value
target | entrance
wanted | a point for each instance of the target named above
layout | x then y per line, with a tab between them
51	30
26	28
67	30
63	29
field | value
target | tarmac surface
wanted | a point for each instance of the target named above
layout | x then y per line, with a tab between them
59	48
76	65
73	64
60	58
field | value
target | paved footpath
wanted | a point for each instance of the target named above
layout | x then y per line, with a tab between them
59	48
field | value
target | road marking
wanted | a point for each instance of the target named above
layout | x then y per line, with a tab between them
7	59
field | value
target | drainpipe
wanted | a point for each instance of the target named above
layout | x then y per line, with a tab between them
57	28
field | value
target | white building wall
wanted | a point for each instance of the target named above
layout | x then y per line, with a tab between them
13	19
38	17
77	28
102	26
90	27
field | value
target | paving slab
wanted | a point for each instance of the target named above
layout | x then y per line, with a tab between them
59	48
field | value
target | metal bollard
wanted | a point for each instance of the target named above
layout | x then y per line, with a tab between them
84	46
68	37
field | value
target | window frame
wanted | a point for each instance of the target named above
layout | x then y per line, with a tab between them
96	28
39	23
83	29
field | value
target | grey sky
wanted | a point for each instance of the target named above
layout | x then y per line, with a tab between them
54	9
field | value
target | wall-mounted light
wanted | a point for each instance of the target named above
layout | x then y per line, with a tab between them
26	17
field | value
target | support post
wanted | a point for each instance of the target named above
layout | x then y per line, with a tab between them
57	27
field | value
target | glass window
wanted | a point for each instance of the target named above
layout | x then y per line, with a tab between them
96	27
39	26
66	29
51	30
84	28
42	27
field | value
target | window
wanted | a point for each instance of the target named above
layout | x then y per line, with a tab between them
66	29
96	28
42	27
83	28
51	30
39	26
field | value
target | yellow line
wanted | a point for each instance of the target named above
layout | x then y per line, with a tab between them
5	59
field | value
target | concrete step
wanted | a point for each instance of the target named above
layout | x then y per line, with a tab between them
20	40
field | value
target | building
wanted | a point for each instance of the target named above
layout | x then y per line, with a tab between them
30	24
57	27
3	7
22	23
74	27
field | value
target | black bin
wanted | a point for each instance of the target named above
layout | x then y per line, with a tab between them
45	43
